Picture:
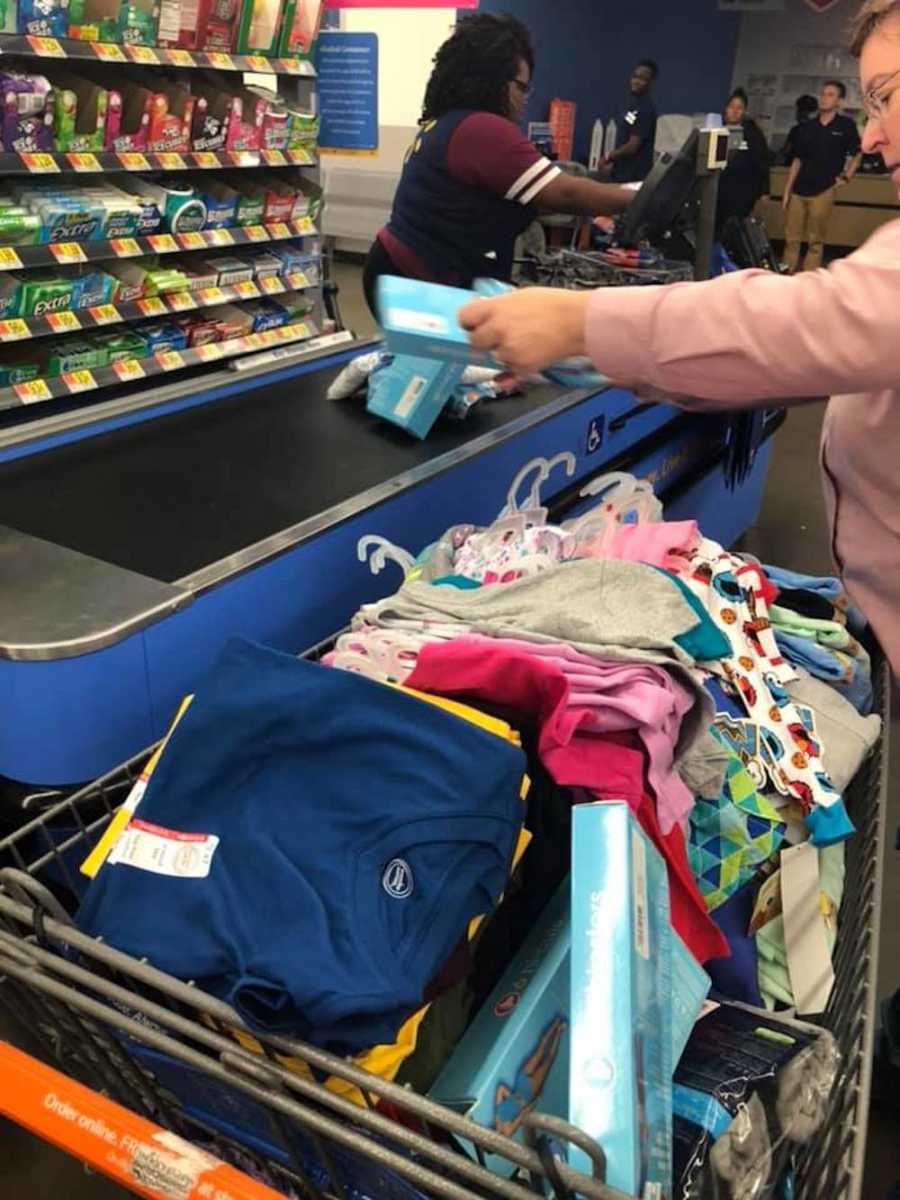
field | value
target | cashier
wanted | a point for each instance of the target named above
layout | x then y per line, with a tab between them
472	182
752	337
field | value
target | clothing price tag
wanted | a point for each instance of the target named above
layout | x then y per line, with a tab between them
32	391
144	55
46	47
163	243
192	241
171	162
205	159
84	162
256	233
40	164
170	360
79	381
63	322
132	161
247	289
222	62
180	58
129	369
272	285
279	230
68	253
153	306
125	247
220	237
210	352
9	260
274	158
165	851
105	314
181	301
14	330
213	295
108	52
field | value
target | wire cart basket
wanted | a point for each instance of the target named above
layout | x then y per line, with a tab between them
310	1124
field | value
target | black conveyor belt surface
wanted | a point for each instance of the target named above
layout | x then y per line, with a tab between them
168	496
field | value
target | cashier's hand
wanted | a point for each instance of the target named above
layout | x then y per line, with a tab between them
529	329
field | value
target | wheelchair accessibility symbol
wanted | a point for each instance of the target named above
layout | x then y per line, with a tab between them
595	433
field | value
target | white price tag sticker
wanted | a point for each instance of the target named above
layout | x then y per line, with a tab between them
162	851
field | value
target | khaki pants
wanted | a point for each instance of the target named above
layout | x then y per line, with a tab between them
807	220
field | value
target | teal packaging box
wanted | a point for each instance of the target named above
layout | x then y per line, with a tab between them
690	987
620	1087
412	392
421	319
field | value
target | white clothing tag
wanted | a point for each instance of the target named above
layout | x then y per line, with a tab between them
808	957
639	871
165	851
407	318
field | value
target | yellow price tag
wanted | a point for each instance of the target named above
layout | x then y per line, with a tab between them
32	391
105	314
12	331
192	241
163	243
279	230
244	158
180	58
171	162
256	62
247	289
68	253
79	381
304	227
290	66
143	54
298	281
108	52
40	164
272	285
133	161
129	369
256	233
170	360
274	158
221	237
84	162
125	247
9	260
269	337
301	158
213	295
206	159
46	47
181	301
224	62
209	352
153	306
63	322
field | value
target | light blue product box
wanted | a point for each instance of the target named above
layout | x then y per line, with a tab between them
620	1087
65	221
161	335
514	1056
92	289
690	987
422	319
412	392
290	257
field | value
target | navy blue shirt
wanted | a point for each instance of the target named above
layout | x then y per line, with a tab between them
637	119
823	151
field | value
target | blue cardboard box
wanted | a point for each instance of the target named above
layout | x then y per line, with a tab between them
412	392
421	319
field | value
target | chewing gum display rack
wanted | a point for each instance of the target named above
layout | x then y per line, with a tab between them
49	162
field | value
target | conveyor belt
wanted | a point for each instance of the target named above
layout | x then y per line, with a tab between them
168	496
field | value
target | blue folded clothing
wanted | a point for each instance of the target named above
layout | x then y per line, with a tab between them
848	675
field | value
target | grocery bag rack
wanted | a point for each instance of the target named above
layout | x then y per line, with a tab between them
169	1052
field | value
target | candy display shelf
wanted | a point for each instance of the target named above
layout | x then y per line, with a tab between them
102	162
150	56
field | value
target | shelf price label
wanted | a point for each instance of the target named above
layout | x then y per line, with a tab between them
256	233
79	381
169	161
14	330
243	158
125	247
105	314
143	54
192	241
256	62
163	243
170	360
181	301
33	391
84	162
128	370
108	52
180	58
9	260
209	352
132	161
304	227
205	159
213	295
272	285
269	337
68	254
298	281
301	158
279	230
63	322
253	341
274	158
290	66
40	164
46	47
220	237
153	306
223	62
247	290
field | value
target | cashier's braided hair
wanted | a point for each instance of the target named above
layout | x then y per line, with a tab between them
476	63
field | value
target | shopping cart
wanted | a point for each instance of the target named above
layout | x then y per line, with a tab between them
292	1117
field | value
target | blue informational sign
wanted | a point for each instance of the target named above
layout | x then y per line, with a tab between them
347	85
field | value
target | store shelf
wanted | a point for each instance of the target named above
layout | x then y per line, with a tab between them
135	370
104	162
15	258
151	56
20	329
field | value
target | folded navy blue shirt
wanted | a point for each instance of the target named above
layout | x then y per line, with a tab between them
311	846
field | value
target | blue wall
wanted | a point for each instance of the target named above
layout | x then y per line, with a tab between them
586	49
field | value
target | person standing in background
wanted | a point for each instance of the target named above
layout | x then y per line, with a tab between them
826	156
632	157
746	177
806	108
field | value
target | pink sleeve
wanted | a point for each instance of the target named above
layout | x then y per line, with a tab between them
756	336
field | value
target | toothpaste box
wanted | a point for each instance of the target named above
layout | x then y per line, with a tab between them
412	392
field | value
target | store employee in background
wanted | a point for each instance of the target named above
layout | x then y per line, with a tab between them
746	177
632	157
826	156
472	182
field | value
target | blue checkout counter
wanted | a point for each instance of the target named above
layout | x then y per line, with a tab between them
136	538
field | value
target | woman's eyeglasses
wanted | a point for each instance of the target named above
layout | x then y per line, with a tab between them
877	101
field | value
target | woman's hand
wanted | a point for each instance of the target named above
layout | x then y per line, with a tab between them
529	329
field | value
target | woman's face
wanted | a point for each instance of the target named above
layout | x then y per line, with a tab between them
517	91
734	111
879	73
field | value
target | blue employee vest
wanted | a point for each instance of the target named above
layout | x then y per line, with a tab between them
461	233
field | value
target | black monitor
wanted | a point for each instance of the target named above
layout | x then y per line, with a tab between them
662	196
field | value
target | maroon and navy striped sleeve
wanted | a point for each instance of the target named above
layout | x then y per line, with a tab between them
490	152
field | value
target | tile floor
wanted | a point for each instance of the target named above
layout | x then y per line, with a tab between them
790	530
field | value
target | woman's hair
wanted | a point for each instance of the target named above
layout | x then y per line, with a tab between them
867	20
475	64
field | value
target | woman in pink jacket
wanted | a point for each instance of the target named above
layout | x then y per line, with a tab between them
754	337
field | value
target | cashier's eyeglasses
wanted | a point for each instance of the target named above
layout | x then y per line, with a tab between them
877	100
